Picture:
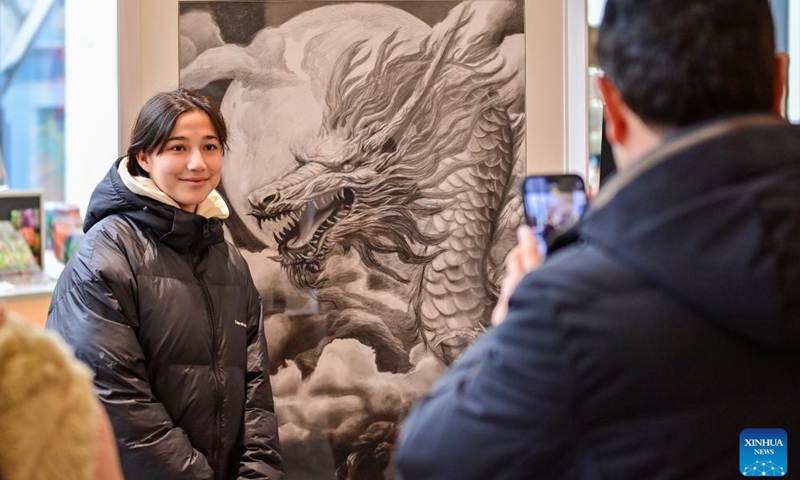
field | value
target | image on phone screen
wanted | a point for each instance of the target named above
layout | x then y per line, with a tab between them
553	204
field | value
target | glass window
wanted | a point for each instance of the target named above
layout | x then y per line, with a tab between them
32	95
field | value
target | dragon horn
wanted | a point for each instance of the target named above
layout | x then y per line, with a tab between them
397	125
341	69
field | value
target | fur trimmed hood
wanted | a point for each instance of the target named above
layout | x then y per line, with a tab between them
47	418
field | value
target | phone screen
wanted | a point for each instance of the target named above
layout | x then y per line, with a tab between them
553	204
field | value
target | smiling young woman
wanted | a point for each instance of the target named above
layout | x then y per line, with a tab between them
164	310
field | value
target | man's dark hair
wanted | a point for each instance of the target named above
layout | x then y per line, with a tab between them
157	119
680	62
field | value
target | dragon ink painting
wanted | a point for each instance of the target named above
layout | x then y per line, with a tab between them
375	155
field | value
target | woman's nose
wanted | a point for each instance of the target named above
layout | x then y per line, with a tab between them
196	161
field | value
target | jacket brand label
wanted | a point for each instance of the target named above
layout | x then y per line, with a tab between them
762	452
241	324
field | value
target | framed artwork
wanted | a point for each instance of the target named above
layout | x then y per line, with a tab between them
375	157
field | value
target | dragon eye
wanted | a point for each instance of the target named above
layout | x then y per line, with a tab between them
347	167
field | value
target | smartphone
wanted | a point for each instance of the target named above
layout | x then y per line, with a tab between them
553	204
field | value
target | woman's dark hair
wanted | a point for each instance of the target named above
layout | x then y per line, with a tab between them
680	62
157	119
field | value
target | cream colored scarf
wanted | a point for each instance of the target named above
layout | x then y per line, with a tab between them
212	206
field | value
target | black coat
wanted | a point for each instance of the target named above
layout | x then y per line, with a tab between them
663	326
165	313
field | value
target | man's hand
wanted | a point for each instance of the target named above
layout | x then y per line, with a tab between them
521	260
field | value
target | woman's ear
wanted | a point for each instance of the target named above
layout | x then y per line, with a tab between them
143	161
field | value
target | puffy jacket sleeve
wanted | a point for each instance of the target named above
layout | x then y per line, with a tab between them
94	309
503	408
261	458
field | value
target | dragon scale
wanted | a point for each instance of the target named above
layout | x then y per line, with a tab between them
458	288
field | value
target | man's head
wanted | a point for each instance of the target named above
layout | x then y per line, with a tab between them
675	63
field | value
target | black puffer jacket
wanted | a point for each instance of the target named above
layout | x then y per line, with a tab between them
165	313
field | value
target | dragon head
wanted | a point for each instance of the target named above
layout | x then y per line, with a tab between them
340	196
368	180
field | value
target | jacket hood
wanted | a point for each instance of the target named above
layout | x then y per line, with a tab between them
711	218
179	229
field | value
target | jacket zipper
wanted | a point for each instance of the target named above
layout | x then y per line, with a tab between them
214	360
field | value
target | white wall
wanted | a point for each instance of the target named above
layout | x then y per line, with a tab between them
576	76
546	69
129	72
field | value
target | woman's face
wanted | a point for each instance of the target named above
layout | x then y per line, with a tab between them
189	167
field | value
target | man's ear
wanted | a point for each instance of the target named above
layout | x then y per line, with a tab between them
781	83
143	161
613	111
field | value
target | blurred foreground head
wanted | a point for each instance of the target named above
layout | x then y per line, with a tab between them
50	421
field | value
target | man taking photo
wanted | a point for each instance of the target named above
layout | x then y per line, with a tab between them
665	326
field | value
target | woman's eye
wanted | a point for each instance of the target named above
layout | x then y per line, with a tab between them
177	148
211	147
